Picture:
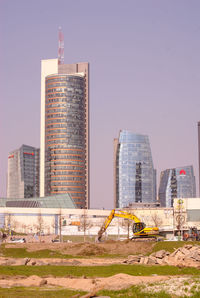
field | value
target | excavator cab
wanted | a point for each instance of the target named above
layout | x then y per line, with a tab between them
138	226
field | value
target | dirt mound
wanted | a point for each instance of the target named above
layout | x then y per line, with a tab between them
127	247
116	282
90	250
31	281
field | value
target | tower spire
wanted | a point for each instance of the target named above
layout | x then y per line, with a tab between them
60	46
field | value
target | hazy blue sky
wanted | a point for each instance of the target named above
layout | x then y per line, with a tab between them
144	76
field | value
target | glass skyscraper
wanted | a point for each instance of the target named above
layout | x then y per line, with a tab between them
65	136
176	183
64	158
134	174
23	173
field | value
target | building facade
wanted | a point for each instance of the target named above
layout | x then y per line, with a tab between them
199	152
176	183
134	174
65	131
23	173
73	220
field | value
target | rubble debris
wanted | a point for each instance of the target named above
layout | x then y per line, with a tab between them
26	261
186	256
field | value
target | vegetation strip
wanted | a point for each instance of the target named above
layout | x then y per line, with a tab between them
171	245
39	254
133	292
38	292
95	271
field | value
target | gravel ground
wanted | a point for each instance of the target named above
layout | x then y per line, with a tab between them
179	286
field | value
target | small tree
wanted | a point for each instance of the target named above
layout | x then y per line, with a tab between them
15	224
85	223
157	220
10	223
57	223
127	223
40	224
54	225
60	225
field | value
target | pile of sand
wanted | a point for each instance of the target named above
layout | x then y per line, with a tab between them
89	249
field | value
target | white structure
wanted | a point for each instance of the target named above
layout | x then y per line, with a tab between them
30	220
186	213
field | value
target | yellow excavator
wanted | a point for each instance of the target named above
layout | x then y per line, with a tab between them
139	228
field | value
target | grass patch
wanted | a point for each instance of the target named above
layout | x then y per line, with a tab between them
46	253
171	245
23	253
196	295
134	292
37	292
96	271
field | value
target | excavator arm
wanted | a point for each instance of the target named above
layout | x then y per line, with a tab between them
106	224
139	228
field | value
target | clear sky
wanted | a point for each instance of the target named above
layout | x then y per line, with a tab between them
144	76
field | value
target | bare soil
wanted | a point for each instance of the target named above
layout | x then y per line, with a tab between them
4	261
90	249
115	282
174	285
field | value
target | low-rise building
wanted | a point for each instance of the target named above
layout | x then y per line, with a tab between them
46	219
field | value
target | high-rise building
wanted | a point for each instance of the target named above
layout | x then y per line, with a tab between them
23	173
199	152
176	183
134	174
64	157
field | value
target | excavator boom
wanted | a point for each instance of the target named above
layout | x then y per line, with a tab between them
139	228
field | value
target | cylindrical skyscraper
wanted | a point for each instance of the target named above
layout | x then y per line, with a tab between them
64	158
65	136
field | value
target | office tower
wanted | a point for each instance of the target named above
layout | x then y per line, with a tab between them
199	152
23	173
134	175
65	130
176	183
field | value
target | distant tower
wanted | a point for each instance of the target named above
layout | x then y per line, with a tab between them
176	183
60	47
23	172
134	174
64	154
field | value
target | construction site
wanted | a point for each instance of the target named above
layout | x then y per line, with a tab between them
88	269
100	253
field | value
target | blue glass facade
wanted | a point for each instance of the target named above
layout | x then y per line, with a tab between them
135	178
176	183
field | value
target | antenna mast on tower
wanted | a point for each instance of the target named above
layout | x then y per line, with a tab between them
60	47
